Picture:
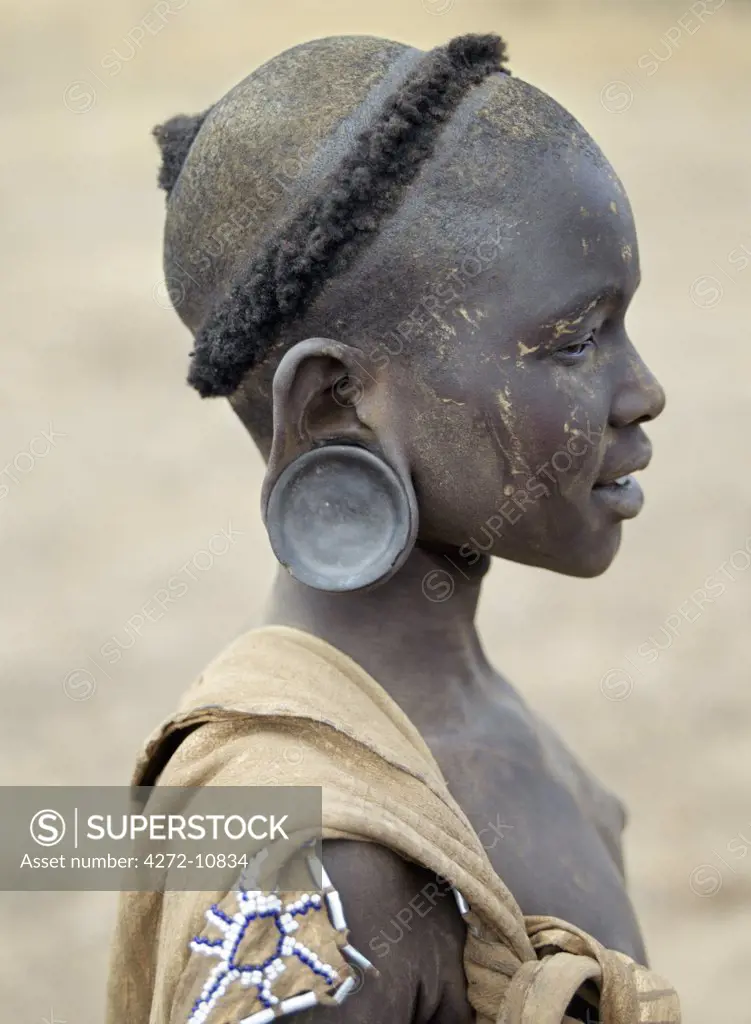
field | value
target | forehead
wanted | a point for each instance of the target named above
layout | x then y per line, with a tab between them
517	188
515	159
573	238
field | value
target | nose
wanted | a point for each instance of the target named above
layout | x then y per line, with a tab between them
640	396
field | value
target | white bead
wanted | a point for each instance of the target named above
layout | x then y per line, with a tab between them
336	911
325	880
301	1002
461	903
353	954
261	1017
344	990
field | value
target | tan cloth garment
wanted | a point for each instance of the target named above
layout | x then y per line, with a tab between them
282	706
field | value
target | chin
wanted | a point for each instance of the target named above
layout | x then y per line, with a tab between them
594	559
584	557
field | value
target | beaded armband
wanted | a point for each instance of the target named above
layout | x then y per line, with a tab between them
286	956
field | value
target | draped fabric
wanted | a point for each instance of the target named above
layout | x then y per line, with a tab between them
282	706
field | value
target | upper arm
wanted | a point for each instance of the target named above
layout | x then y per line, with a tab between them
399	916
406	922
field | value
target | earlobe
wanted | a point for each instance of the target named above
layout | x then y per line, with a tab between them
338	501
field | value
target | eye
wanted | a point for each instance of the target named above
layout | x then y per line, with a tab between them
576	351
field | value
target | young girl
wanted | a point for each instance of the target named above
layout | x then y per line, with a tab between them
409	273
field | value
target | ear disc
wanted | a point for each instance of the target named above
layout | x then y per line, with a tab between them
339	518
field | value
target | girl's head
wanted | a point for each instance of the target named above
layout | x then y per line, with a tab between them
422	255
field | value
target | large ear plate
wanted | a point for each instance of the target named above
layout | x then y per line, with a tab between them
340	519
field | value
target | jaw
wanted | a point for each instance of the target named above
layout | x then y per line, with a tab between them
595	559
585	554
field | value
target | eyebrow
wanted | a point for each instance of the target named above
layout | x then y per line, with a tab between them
576	311
584	304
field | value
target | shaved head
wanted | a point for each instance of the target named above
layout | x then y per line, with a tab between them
273	151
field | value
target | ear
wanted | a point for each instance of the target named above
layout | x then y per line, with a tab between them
338	501
322	392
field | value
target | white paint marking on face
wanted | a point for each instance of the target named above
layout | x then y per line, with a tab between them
516	460
563	327
525	350
463	312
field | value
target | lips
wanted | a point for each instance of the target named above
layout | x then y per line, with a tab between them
624	468
617	489
625	498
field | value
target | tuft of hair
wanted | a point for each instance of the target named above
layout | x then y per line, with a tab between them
175	137
325	236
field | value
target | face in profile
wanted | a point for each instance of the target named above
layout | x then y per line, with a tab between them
525	431
518	410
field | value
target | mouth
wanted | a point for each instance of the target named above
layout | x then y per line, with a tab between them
622	493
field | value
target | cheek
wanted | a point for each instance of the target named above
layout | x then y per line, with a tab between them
547	430
456	462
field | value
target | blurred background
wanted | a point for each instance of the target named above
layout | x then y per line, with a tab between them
117	478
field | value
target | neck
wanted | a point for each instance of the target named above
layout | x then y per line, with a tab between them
415	633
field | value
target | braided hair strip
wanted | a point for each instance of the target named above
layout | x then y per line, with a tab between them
324	237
